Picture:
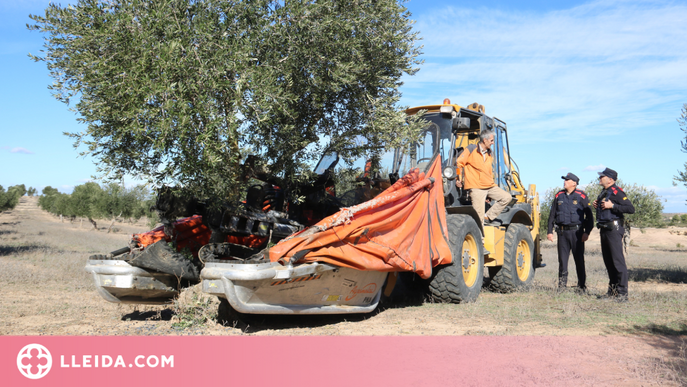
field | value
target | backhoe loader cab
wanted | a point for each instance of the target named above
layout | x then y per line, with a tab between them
510	251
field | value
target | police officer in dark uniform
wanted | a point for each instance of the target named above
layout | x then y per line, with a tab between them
572	214
611	205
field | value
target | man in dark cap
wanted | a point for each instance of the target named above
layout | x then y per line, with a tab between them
572	215
611	205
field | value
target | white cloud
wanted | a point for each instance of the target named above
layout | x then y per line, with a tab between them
21	150
602	68
595	168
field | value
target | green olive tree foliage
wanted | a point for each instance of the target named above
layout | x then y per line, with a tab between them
47	199
85	200
175	91
57	203
63	206
545	203
10	198
7	200
18	190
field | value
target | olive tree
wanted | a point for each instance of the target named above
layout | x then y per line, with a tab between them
85	201
10	199
545	208
63	206
17	190
7	199
47	197
178	91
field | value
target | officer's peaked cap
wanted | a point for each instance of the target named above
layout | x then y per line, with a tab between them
571	176
608	172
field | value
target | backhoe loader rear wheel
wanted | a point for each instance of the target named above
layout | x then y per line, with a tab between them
460	281
517	272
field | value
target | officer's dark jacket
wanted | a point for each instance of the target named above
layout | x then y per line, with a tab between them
621	205
568	210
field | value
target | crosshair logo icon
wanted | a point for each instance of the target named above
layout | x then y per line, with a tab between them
34	361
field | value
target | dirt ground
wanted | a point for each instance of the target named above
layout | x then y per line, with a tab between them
45	291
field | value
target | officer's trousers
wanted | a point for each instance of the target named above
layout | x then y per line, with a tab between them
614	259
571	240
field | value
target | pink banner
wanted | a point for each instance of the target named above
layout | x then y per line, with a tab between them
298	361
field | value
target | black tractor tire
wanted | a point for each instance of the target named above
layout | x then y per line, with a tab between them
517	272
461	280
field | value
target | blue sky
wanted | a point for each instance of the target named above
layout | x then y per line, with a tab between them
582	85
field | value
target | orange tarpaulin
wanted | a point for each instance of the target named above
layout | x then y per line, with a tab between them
192	233
402	229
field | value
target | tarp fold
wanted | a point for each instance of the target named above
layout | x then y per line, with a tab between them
402	229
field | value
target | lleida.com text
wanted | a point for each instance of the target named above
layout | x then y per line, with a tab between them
106	361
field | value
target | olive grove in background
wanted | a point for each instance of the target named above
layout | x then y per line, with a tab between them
177	92
91	201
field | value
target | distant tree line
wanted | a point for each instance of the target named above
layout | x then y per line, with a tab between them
10	198
678	219
91	201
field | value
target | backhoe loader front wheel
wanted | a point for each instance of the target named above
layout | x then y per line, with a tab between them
461	280
517	271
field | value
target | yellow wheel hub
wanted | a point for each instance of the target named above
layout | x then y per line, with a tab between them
469	259
523	260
